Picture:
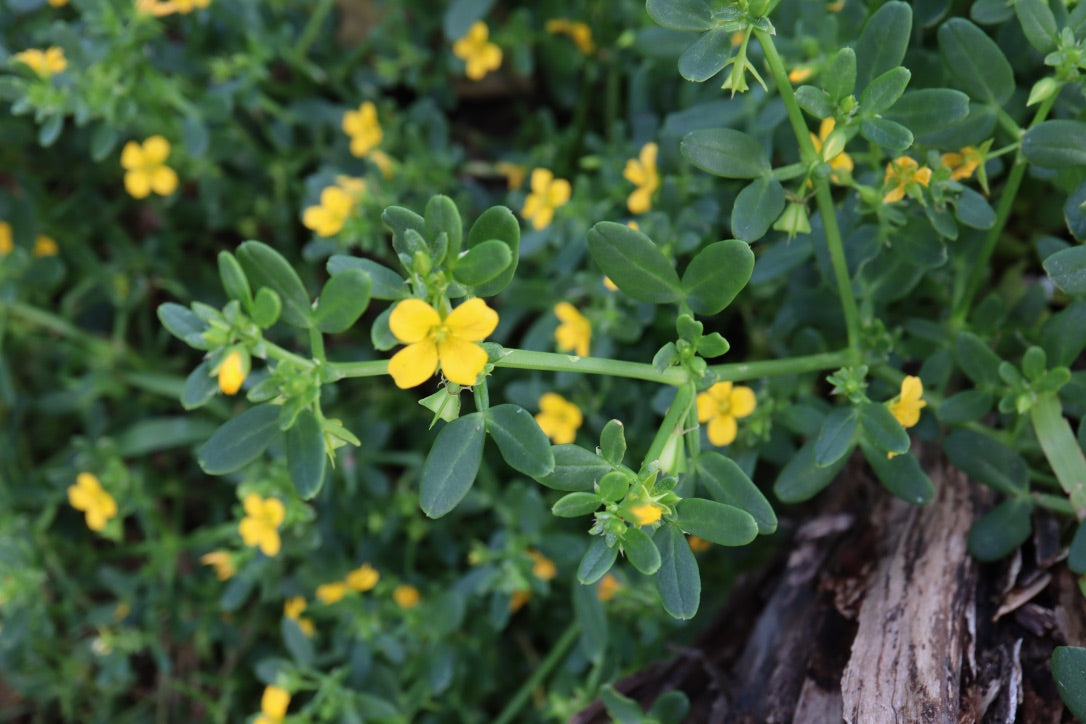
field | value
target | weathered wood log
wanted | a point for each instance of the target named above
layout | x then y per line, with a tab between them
875	612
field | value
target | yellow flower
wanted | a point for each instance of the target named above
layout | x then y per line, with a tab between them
518	599
328	218
580	33
363	578
222	562
963	164
800	73
406	596
351	184
431	340
608	586
476	50
160	9
233	371
363	128
646	513
900	173
146	169
187	6
293	608
609	285
641	172
575	331
45	246
330	593
7	243
721	405
514	173
45	63
906	407
273	705
558	418
698	545
97	505
836	6
383	162
548	193
543	568
840	161
260	526
58	3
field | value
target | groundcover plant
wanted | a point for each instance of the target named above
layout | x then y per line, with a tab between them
414	361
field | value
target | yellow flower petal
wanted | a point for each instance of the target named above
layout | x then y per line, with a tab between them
461	361
742	401
274	512
406	596
413	320
155	150
132	155
472	321
414	364
274	702
722	430
137	184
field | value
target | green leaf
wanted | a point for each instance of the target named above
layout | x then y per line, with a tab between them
634	263
965	406
756	208
381	334
597	560
194	136
297	643
717	274
1056	144
266	267
307	459
50	130
882	43
815	101
973	210
451	465
574	505
613	442
1076	557
103	140
671	707
888	134
929	110
1069	671
614	485
801	479
707	56
267	306
441	215
343	299
977	360
839	80
399	221
200	386
460	15
681	14
678	579
837	436
575	469
499	223
901	475
621	709
641	551
726	483
386	284
726	152
482	263
988	460
234	281
1074	212
1001	530
884	91
881	430
1067	269
154	434
240	441
976	62
592	620
183	324
1038	23
523	445
716	522
1064	334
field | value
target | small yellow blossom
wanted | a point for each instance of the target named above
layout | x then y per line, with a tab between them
45	63
45	246
548	193
609	285
383	162
97	505
406	596
721	405
800	73
836	6
363	578
574	333
328	218
608	586
514	173
906	407
476	50
222	562
518	599
641	172
233	371
900	173
330	593
351	184
260	526
964	163
162	8
187	6
698	545
841	161
7	242
543	568
146	169
431	340
646	513
273	705
363	128
293	609
58	3
579	33
558	418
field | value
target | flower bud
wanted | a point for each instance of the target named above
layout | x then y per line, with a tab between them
233	370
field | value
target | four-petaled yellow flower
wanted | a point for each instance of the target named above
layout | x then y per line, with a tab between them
328	218
431	340
579	33
7	241
330	593
964	163
558	418
646	513
97	505
222	562
548	193
641	172
363	578
45	63
363	128
476	50
233	371
260	526
721	405
574	333
293	608
273	705
901	173
840	161
146	169
543	568
608	586
906	407
45	246
406	596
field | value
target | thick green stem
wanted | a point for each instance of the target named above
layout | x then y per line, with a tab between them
554	657
553	362
824	199
1061	449
739	371
673	419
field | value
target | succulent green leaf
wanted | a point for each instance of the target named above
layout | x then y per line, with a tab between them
678	579
520	440
726	152
307	459
634	263
343	299
451	465
265	267
717	274
240	441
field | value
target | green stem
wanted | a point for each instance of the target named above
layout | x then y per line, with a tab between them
824	199
60	326
740	371
309	32
1061	449
554	657
316	343
553	362
673	419
1054	503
